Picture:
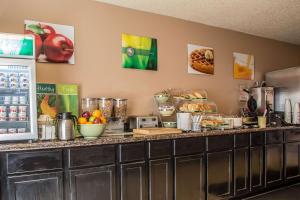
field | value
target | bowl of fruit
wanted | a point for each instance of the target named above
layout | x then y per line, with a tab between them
91	124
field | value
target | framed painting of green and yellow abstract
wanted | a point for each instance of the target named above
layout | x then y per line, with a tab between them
139	52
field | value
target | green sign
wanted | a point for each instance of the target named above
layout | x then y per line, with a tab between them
16	45
45	88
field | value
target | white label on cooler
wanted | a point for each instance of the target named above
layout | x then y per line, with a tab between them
13	109
22	99
3	84
3	114
23	75
23	109
21	130
12	74
3	74
3	130
24	85
12	116
12	130
24	80
13	85
13	79
22	116
15	100
7	100
3	109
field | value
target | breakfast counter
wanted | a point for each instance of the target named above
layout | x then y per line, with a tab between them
229	164
41	145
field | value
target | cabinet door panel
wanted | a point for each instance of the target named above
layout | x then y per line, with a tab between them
292	135
241	171
91	156
33	161
133	181
159	149
256	168
274	164
160	179
132	152
292	160
93	183
219	174
190	177
39	186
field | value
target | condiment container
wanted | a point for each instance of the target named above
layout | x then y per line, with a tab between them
120	108
46	128
89	104
229	121
106	106
184	121
262	122
237	122
296	113
288	111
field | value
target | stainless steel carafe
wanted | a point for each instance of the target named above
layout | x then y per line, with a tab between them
65	124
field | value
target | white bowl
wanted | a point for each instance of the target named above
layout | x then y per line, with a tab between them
170	124
166	110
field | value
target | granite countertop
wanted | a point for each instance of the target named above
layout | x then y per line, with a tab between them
7	147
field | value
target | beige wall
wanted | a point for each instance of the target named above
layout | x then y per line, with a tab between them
98	29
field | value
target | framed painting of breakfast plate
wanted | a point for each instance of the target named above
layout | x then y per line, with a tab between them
200	59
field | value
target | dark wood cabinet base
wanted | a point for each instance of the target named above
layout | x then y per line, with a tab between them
194	168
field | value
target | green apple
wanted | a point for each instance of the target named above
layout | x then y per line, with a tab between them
92	118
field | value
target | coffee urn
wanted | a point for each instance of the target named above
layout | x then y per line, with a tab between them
264	97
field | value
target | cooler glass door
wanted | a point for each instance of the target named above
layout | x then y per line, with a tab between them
17	100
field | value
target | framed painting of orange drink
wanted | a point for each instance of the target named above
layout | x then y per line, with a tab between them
243	67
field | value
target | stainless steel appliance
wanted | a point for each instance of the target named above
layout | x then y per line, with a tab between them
65	124
264	97
18	113
142	122
287	86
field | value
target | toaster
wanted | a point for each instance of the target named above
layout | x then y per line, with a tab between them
134	122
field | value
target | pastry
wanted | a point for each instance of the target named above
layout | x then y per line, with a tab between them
202	60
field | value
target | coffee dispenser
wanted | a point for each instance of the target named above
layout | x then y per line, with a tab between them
264	97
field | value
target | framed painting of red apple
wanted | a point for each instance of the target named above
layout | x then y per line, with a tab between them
53	42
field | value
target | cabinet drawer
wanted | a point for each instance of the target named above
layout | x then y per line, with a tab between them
292	135
91	156
132	152
241	140
257	139
274	137
189	146
218	143
159	149
33	161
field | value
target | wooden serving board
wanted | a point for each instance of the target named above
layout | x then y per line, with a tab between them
156	131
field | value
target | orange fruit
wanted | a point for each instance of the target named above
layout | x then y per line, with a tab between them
103	120
82	120
89	123
97	113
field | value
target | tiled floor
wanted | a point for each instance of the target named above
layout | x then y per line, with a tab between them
290	193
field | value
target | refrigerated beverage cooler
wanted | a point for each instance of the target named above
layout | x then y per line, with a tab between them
17	88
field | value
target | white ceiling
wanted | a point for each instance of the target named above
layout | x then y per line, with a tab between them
275	19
